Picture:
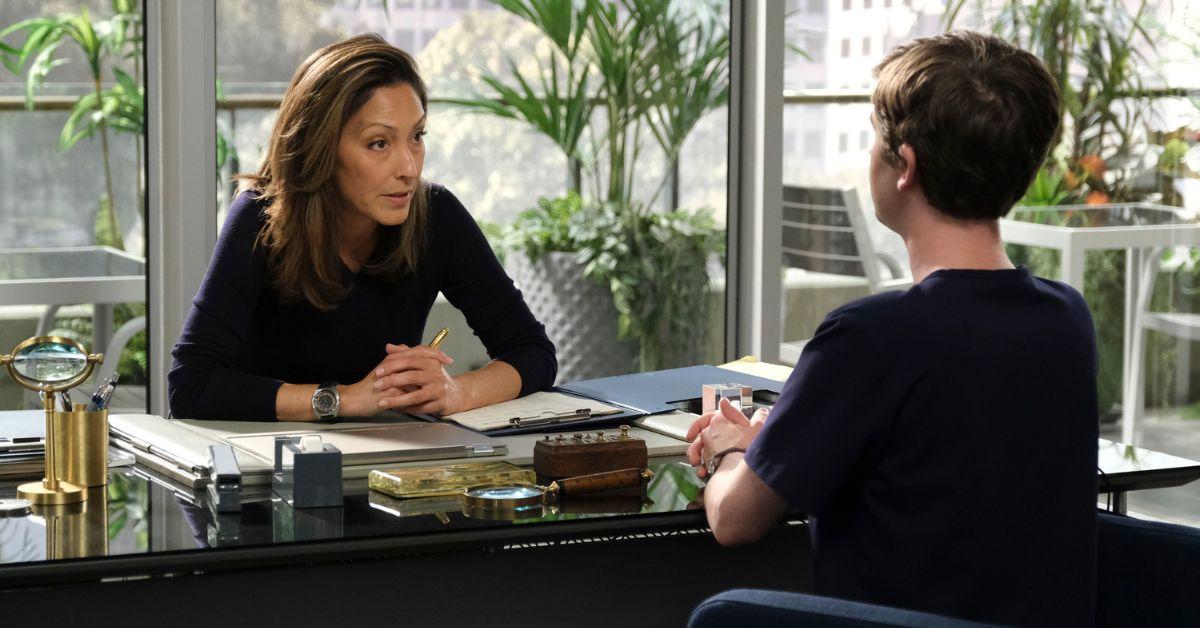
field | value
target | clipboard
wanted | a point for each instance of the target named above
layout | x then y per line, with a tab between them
540	411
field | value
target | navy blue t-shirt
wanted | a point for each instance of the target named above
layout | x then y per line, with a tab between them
944	441
240	342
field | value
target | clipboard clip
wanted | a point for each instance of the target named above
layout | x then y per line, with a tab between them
553	417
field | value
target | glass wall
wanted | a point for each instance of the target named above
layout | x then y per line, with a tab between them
672	312
71	212
1130	136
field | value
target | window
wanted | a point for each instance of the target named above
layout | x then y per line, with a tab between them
812	144
843	142
76	206
864	139
814	47
845	5
866	4
866	46
845	48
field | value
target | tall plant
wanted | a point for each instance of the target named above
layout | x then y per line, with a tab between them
556	102
119	107
655	69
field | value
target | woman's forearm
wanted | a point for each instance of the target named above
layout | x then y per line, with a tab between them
293	402
495	382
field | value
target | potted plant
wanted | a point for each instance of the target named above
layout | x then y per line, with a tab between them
614	279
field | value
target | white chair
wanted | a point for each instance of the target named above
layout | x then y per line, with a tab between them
1178	324
825	231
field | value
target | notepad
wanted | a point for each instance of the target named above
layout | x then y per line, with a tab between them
540	408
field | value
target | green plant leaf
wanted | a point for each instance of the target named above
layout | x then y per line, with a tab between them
106	230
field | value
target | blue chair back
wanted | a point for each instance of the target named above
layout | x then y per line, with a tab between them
1144	573
756	608
1144	577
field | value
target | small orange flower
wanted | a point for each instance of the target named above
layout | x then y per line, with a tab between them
1093	165
1096	197
1070	180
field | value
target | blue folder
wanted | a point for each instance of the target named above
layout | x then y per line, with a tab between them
654	392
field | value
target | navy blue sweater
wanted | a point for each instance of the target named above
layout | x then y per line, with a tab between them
240	343
944	440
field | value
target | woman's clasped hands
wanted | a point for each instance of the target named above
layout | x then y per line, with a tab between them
409	379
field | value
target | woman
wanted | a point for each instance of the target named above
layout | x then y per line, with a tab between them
331	258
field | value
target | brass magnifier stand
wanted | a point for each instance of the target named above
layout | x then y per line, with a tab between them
48	365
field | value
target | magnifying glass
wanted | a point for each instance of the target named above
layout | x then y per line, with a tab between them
49	364
527	501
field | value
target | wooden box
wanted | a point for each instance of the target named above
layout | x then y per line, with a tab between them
564	456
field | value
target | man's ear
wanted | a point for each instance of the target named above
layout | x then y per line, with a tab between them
908	168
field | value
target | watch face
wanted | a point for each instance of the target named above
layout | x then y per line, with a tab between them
324	401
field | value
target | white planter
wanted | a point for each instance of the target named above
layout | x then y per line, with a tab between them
579	316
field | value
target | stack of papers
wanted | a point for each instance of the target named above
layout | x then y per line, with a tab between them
21	459
540	408
22	448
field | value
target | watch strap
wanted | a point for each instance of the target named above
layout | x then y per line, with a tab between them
714	463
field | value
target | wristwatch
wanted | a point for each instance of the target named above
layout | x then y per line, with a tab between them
713	463
326	402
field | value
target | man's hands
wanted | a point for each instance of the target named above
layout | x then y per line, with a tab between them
715	432
739	506
409	379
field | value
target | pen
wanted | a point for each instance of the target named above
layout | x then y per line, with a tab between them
439	337
103	394
108	392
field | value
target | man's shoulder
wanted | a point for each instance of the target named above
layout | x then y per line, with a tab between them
1063	291
873	310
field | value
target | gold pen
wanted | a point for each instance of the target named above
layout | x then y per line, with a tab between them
439	337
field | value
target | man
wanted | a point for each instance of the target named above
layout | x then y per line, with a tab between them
942	439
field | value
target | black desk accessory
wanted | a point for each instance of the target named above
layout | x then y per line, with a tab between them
308	472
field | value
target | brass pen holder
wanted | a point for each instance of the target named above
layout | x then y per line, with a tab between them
76	441
82	446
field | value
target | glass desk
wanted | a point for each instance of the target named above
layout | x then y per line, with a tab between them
114	523
1142	229
159	545
100	275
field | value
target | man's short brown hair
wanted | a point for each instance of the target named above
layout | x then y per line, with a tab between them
978	112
